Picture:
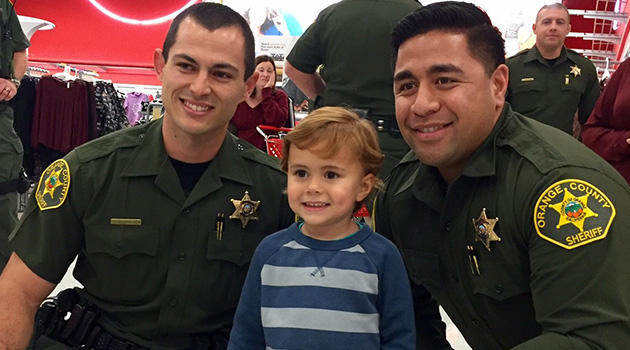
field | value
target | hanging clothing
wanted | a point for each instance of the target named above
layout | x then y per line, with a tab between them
133	106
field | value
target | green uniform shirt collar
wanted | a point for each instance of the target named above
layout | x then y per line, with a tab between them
483	161
150	155
534	55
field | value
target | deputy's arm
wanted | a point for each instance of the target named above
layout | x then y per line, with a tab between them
21	293
310	84
580	277
20	62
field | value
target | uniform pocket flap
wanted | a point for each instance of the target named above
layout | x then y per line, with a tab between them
119	241
237	248
501	281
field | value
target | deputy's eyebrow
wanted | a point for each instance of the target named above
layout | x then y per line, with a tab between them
402	75
445	68
185	57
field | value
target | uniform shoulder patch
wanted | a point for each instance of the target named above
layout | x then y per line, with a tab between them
53	186
571	213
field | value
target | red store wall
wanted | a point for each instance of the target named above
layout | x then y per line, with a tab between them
87	38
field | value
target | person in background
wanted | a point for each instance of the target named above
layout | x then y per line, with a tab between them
327	282
607	131
549	82
13	63
351	39
517	229
265	105
164	217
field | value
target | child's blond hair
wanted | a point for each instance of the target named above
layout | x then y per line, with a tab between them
332	129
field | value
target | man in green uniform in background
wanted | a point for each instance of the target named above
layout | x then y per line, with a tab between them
351	40
164	217
13	62
549	82
516	229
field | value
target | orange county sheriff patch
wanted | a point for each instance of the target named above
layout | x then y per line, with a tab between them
52	189
572	213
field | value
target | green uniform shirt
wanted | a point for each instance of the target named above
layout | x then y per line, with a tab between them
557	279
11	150
352	40
553	94
149	257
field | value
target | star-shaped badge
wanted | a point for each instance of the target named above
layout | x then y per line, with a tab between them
573	210
484	229
575	70
245	209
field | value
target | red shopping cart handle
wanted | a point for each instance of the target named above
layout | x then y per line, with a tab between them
273	128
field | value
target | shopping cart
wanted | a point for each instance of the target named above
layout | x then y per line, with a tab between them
273	138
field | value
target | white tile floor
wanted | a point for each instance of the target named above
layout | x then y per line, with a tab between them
452	334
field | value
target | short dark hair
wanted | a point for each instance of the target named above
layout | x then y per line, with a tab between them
213	16
484	40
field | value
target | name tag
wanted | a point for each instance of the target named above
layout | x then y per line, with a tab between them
125	222
527	79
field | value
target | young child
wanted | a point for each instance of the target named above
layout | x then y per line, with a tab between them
327	282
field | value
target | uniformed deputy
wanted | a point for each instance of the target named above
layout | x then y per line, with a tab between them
351	40
515	228
164	217
13	62
549	82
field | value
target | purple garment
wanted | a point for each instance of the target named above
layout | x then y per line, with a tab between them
133	105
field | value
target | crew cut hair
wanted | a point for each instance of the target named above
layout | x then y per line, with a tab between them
484	40
213	16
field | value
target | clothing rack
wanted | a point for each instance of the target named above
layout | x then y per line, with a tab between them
31	70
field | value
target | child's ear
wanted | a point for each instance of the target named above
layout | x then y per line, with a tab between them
367	184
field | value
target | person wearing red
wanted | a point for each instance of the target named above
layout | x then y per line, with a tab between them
607	131
266	105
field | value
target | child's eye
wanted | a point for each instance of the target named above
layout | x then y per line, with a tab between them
331	175
301	173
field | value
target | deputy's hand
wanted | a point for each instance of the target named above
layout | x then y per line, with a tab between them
7	89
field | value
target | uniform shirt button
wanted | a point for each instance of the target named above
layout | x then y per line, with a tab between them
499	288
118	247
181	256
173	302
448	226
186	211
141	136
475	323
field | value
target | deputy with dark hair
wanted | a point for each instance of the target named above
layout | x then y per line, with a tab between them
514	227
164	217
13	62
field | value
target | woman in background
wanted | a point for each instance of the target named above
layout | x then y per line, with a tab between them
266	105
607	131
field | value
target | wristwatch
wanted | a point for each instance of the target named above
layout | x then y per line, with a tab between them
16	82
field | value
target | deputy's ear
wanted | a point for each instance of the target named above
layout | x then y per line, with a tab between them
500	79
158	62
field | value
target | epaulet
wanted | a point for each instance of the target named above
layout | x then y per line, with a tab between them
252	153
109	143
522	52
